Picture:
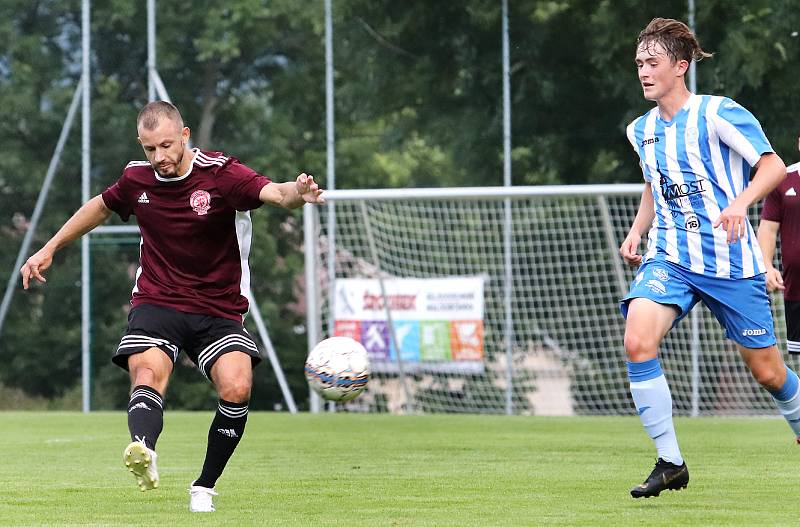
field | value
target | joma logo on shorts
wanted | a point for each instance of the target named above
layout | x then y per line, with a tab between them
753	332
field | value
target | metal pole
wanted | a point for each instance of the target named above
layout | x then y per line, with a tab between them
329	110
695	314
310	223
508	234
161	90
483	193
273	357
611	242
86	122
692	65
151	49
40	201
392	333
330	155
155	86
331	168
695	325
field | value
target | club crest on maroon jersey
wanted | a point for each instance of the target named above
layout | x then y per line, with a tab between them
200	201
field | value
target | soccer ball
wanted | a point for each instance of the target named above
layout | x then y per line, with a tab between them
338	369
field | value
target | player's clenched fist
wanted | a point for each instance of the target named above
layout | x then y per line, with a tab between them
774	280
629	249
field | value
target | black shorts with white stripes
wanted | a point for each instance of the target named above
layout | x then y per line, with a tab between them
203	338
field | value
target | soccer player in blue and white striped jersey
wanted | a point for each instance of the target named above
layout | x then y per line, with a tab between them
696	153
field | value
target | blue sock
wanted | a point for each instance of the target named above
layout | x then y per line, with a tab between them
653	402
788	402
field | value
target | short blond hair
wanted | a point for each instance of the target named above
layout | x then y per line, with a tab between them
153	112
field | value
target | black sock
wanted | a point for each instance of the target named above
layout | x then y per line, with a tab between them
226	430
145	415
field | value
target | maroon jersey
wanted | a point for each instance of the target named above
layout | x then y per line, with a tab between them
782	205
195	232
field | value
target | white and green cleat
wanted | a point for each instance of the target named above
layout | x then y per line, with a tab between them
142	462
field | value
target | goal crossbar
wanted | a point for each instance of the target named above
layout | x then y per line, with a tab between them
483	192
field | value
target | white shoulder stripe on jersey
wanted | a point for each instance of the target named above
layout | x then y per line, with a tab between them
138	164
218	155
206	157
793	168
204	164
205	160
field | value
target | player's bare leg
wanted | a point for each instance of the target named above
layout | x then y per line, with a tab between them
232	374
768	368
149	373
646	325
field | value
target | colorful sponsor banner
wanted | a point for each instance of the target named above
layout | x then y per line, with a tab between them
438	322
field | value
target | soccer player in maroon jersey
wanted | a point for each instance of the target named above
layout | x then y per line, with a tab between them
190	291
781	214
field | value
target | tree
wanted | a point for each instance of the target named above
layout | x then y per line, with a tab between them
418	103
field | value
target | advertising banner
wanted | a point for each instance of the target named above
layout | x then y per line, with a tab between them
438	322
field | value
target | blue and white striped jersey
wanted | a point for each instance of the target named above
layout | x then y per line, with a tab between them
697	164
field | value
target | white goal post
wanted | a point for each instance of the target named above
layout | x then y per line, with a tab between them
502	300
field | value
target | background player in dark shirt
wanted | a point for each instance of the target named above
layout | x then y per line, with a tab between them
781	215
191	287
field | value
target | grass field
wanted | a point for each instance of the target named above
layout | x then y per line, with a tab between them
396	471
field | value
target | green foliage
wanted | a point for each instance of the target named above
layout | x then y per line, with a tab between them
418	103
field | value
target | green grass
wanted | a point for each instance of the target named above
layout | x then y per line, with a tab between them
397	471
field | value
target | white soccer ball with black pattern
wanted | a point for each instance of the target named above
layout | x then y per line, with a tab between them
338	369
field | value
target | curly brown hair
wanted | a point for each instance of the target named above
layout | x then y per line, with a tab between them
676	38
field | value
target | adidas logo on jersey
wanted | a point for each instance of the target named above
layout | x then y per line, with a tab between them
143	406
143	198
230	432
791	192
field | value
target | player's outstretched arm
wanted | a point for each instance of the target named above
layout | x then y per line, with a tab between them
770	171
644	219
767	236
292	194
90	215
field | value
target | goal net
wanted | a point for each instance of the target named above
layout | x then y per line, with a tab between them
502	301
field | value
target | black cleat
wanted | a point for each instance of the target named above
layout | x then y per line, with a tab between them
665	476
